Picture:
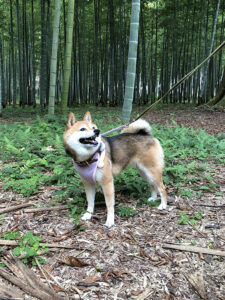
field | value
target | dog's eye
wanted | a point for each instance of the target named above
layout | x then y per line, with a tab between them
93	127
83	129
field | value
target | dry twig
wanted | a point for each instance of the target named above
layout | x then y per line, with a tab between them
43	273
14	243
15	207
194	249
40	209
210	205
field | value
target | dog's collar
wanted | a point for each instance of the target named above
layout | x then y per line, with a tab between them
87	162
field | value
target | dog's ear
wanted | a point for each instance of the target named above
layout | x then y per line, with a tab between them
87	117
71	120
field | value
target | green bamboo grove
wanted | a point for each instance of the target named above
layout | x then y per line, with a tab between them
54	54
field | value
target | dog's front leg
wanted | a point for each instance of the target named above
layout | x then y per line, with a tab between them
108	190
90	194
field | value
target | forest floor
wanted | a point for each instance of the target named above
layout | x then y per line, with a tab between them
129	260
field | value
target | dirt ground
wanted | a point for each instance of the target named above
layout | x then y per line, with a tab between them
129	261
211	120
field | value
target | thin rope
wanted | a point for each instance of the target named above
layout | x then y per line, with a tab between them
182	80
114	129
170	90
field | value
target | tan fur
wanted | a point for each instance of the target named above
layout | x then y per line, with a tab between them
132	149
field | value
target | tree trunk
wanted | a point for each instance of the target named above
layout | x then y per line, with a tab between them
21	82
96	53
131	65
3	100
219	98
13	55
43	69
33	64
67	63
205	71
53	68
112	53
143	67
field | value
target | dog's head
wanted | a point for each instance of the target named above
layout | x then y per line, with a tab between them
81	138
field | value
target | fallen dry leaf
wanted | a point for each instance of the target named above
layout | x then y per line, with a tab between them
73	262
91	279
135	293
143	253
114	273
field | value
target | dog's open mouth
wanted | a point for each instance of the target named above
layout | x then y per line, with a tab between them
91	140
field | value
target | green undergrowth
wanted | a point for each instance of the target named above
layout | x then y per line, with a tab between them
33	156
28	247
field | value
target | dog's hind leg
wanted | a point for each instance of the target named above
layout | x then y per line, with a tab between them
90	194
154	179
163	196
154	193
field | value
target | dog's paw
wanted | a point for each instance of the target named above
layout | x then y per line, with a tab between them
109	222
162	206
87	216
152	199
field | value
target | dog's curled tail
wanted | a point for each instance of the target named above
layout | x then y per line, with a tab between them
140	126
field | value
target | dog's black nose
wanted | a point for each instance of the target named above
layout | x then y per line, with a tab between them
97	131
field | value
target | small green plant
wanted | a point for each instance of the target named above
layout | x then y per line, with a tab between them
186	193
11	235
193	222
197	216
192	219
192	243
76	207
184	219
99	268
219	194
29	247
144	200
125	211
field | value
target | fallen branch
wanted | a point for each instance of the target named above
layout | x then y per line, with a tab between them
194	249
33	210
43	273
210	205
7	298
28	289
15	207
197	282
29	283
14	243
9	292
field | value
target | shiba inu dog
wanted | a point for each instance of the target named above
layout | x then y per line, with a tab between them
98	159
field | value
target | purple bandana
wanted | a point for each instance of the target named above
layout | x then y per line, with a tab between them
88	172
